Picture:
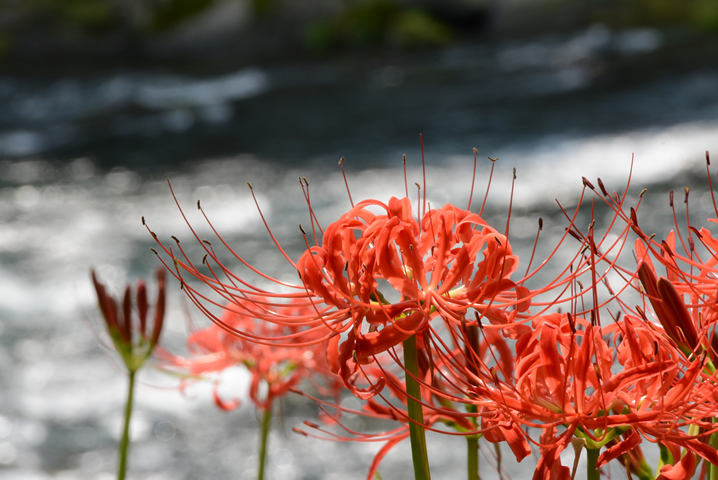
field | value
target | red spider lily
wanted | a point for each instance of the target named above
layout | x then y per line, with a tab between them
443	266
565	379
567	383
435	268
670	396
126	326
274	370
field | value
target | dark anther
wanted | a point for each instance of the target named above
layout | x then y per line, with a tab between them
143	220
603	189
571	322
540	223
478	320
670	199
175	239
588	184
198	207
574	234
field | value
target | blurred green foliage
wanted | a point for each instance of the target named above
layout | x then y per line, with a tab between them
89	16
333	25
705	14
374	23
262	7
167	15
700	14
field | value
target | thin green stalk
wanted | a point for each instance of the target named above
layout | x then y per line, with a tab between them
592	471
472	443
125	442
713	469
416	430
266	421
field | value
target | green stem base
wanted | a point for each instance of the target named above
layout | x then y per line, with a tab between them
125	442
419	453
472	464
266	421
592	470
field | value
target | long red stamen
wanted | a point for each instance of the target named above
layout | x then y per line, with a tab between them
488	185
346	183
473	180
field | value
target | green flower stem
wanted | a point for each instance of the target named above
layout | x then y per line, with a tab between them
472	443
592	471
416	430
266	421
712	470
125	442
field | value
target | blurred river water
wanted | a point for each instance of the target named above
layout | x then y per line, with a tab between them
85	155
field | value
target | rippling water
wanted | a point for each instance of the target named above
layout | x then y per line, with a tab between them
75	182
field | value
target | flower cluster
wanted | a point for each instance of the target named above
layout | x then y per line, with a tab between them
422	314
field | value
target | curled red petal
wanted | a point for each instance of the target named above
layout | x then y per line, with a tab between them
683	470
624	446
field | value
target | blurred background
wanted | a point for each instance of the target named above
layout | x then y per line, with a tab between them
102	100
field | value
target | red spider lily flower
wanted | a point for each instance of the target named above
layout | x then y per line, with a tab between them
128	327
654	396
449	264
274	370
673	406
441	266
